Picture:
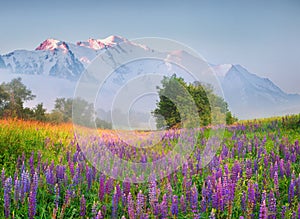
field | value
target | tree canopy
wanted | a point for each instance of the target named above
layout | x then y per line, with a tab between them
13	95
177	100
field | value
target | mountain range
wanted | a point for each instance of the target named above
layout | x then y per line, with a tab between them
57	64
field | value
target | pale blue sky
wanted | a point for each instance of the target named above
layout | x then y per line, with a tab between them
263	36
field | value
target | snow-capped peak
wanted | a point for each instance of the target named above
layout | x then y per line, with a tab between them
97	44
52	44
112	40
92	44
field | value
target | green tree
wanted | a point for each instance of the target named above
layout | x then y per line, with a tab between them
83	113
18	94
230	119
4	97
64	107
177	100
39	112
77	109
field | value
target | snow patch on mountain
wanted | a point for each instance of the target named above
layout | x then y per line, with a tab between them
2	64
53	44
98	44
59	62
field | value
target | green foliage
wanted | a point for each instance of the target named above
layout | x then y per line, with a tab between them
12	97
178	99
64	107
102	124
230	119
291	122
40	112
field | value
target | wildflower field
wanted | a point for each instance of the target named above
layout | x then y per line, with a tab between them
254	174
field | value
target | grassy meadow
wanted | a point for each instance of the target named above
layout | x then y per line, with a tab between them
254	174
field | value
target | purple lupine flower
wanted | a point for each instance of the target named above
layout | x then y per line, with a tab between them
194	200
182	204
226	170
82	206
217	199
272	206
7	198
109	186
118	191
99	215
32	196
50	177
263	196
77	176
32	204
225	189
25	184
255	165
231	189
115	202
103	210
68	197
126	187
251	195
288	168
271	171
243	201
130	204
124	200
101	191
204	201
71	167
60	172
275	167
276	184
184	168
140	204
156	209
164	207
188	185
235	171
17	190
174	207
170	192
281	167
291	191
89	176
248	169
152	192
263	211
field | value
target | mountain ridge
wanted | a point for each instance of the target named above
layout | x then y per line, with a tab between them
247	94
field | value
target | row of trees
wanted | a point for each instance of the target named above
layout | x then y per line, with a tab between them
14	94
173	109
